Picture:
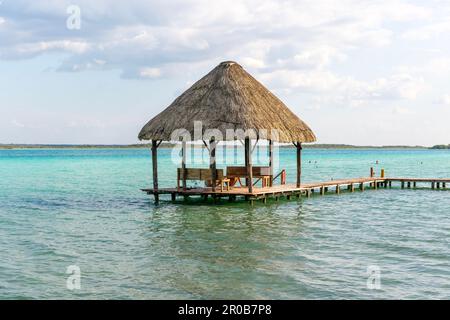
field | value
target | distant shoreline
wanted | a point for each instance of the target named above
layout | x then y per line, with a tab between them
169	145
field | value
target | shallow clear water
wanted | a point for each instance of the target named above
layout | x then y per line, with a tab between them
83	207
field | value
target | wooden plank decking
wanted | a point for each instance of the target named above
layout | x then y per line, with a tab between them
289	190
274	191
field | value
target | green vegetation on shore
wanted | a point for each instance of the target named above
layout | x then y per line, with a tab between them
441	146
169	145
73	146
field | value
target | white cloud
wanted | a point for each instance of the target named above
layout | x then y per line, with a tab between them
17	124
444	100
150	73
400	110
428	31
32	49
318	57
260	33
99	62
87	124
348	89
388	55
253	62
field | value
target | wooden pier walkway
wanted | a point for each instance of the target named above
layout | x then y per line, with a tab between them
306	189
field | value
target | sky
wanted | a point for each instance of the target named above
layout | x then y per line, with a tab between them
358	72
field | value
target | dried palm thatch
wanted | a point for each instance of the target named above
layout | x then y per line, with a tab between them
228	98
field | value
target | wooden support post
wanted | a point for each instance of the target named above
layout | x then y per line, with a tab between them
265	199
299	163
415	184
322	191
375	185
248	153
361	186
438	185
338	189
444	185
409	185
390	184
155	169
403	184
271	161
246	160
183	163
174	197
212	162
352	187
432	185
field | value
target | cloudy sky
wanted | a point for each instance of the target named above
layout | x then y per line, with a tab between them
358	72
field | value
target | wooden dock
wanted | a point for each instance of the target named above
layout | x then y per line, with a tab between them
306	189
415	182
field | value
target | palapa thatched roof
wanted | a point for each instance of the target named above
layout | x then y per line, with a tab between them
229	98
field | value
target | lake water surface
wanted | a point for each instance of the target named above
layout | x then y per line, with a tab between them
83	207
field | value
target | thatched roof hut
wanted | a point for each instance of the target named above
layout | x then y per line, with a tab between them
229	98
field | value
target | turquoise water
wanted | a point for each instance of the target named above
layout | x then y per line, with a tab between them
83	207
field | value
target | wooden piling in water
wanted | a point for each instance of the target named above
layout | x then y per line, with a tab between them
212	162
183	163
248	153
299	163
155	169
